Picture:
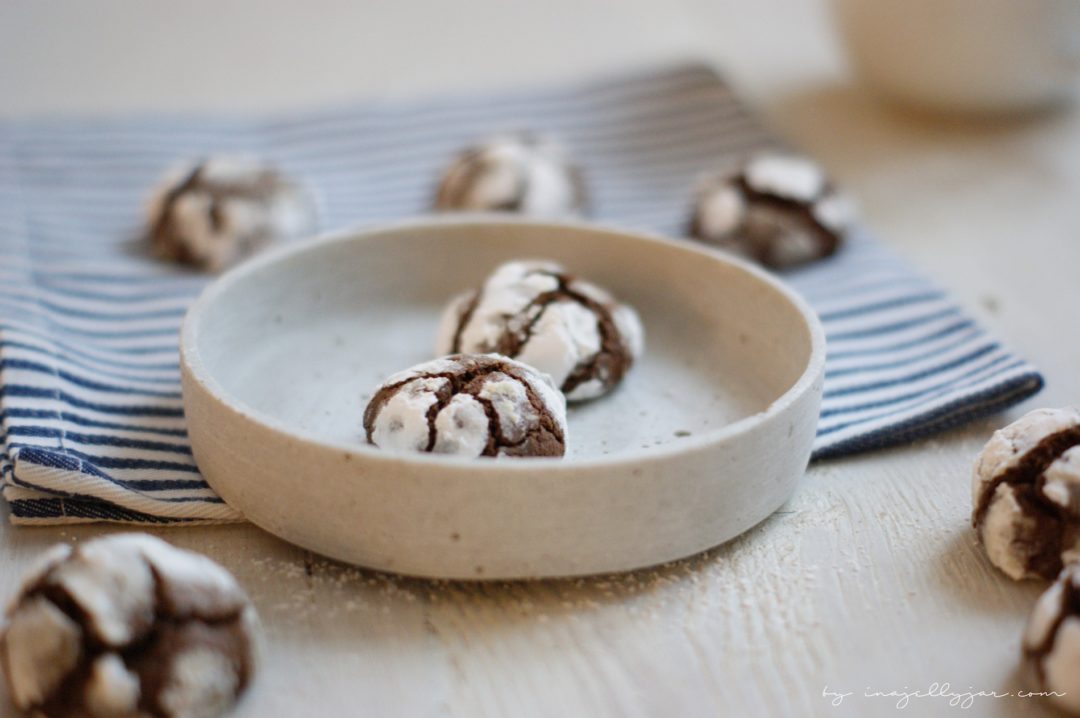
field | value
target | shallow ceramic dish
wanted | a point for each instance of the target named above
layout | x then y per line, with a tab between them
706	437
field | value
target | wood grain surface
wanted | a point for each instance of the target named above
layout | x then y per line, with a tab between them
869	578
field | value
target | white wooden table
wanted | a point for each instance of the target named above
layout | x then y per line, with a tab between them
869	578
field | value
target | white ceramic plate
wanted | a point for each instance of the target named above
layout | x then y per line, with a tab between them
707	436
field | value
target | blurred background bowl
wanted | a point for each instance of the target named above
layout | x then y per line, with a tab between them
965	56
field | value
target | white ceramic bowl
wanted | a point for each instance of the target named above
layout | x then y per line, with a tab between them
707	436
966	56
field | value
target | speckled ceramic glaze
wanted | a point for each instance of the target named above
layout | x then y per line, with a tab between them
706	436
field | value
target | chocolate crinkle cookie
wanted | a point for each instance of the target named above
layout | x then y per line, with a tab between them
779	210
1051	643
127	626
218	211
1026	494
468	405
522	173
536	313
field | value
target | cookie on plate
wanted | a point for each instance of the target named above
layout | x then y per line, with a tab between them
468	405
537	313
128	625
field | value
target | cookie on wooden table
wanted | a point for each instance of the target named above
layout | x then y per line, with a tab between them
537	313
1026	494
128	625
1051	641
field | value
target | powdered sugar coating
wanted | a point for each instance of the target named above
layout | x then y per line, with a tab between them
507	293
468	405
1051	641
41	646
403	424
461	428
1062	666
778	209
1061	482
1008	446
1025	491
787	176
569	329
513	173
441	365
42	565
201	682
215	212
1044	615
1004	520
720	210
68	647
836	211
112	586
565	335
111	689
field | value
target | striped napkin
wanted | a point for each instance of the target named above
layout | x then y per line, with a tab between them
92	422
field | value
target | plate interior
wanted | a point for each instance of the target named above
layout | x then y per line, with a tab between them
305	341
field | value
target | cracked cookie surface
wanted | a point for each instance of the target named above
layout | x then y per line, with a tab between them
1051	641
468	405
536	313
128	625
220	210
1026	494
522	173
778	210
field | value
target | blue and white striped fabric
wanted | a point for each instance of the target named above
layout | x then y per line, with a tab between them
91	410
